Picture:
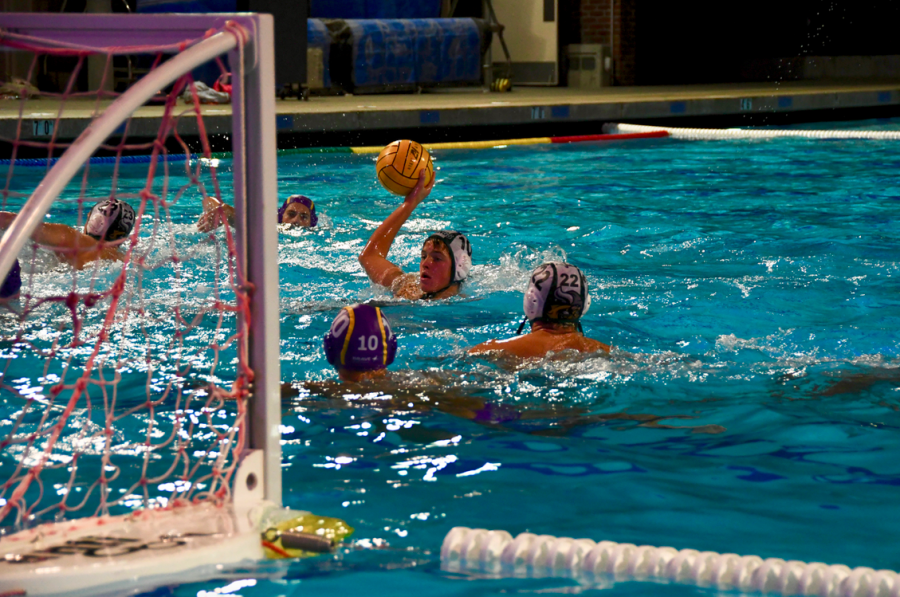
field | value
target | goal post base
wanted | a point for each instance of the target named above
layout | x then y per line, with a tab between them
181	543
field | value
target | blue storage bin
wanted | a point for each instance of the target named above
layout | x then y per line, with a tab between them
317	36
383	54
448	51
390	55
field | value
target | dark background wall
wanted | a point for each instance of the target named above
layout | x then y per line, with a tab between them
707	42
666	42
663	42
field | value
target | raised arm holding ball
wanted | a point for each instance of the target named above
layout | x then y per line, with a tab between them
404	167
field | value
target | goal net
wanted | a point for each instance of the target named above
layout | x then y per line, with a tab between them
130	383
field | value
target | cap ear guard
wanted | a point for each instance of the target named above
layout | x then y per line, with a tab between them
360	338
460	253
333	342
391	343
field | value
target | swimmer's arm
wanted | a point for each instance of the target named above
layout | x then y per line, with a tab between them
69	244
374	256
215	213
72	246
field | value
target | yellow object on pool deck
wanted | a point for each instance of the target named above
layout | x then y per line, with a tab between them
399	165
304	536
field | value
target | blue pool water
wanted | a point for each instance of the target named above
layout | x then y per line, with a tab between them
750	405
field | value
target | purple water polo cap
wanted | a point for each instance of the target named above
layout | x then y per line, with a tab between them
13	281
313	218
360	338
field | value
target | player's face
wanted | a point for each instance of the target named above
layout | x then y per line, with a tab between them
296	214
434	268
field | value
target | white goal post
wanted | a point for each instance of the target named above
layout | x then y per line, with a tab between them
253	126
248	39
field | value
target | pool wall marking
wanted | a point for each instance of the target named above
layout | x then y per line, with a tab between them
497	552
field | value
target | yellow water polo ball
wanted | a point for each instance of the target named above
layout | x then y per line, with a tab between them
399	164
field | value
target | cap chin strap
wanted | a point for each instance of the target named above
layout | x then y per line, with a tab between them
522	326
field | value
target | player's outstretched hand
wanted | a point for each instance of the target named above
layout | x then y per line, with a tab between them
214	218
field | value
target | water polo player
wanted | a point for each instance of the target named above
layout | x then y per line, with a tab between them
108	221
360	343
297	210
444	265
555	300
12	282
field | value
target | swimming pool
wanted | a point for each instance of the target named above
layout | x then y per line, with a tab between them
750	290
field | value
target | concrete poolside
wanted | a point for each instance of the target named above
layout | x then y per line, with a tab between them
459	112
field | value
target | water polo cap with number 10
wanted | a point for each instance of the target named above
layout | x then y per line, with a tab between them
360	338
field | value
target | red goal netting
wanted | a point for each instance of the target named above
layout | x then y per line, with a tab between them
123	355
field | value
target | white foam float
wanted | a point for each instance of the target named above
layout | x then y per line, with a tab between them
497	552
696	134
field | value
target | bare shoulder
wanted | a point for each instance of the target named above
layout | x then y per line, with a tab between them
537	345
521	346
488	346
591	345
406	286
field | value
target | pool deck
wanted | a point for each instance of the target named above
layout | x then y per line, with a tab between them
520	113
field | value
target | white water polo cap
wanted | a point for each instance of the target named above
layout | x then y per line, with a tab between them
460	253
110	219
557	292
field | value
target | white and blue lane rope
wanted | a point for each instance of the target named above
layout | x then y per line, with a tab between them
125	159
529	555
695	134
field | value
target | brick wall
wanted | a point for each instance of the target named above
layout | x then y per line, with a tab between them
590	23
595	21
625	47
